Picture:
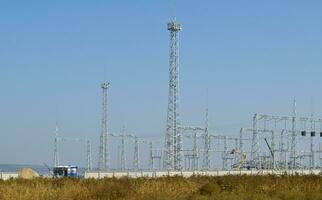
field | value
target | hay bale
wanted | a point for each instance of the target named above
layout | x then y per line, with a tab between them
28	173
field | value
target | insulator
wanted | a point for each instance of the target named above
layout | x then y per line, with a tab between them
303	133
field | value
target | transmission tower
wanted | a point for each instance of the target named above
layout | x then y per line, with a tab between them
255	143
195	164
56	158
206	161
151	163
136	154
241	143
123	159
173	149
89	155
103	162
312	161
224	154
293	154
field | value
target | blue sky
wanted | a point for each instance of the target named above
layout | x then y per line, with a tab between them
249	56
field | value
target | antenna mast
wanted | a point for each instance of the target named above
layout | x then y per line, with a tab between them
103	162
56	157
173	147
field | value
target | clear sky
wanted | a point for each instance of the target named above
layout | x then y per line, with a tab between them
249	56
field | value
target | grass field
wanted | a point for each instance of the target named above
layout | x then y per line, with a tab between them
168	188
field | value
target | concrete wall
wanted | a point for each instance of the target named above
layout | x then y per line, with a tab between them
8	175
96	174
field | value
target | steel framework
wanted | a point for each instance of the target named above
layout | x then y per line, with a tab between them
173	150
56	156
103	160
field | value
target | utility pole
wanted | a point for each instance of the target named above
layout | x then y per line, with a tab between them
173	150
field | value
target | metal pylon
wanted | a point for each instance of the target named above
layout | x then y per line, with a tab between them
123	159
103	161
312	157
255	144
151	163
293	153
225	154
136	154
206	159
173	150
195	164
89	155
56	156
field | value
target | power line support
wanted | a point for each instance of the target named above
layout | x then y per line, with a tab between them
293	154
255	144
89	156
206	159
136	154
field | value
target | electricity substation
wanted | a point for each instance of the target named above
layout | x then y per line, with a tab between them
272	143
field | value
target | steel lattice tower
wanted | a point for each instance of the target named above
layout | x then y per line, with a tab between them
151	164
312	161
136	154
123	159
255	144
89	155
224	155
293	154
103	162
206	161
173	149
56	157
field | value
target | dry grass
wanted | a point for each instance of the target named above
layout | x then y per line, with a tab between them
168	188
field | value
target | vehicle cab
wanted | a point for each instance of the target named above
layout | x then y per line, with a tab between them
65	171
